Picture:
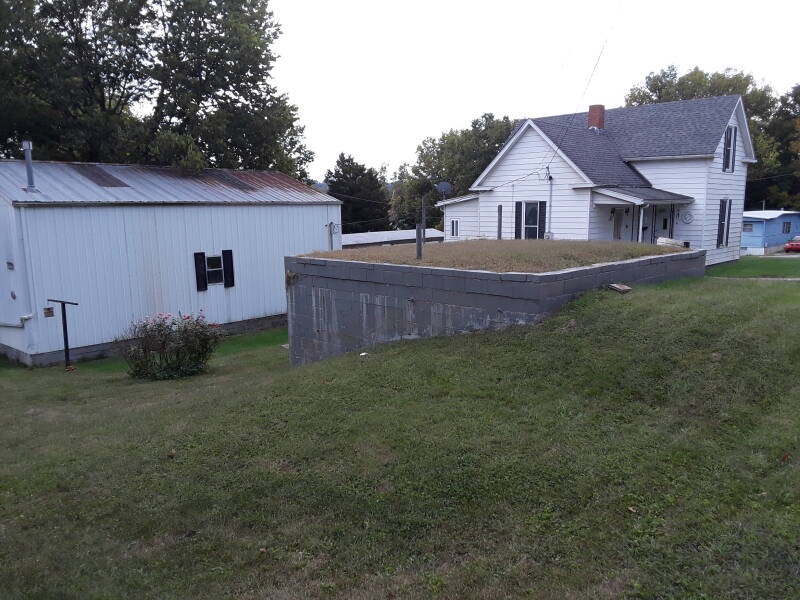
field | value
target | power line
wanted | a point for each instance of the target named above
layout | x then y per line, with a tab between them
334	194
571	118
367	221
773	177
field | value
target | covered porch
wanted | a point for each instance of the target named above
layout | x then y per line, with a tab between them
635	214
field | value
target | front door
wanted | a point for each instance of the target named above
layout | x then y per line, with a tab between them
535	215
619	216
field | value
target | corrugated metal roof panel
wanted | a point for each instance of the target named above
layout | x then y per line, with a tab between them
767	214
91	183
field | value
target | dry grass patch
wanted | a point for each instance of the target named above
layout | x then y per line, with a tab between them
529	256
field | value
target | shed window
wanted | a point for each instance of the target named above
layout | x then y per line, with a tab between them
787	227
453	227
729	150
213	269
747	227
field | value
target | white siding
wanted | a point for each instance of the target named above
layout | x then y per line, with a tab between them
690	178
570	210
725	185
122	263
466	213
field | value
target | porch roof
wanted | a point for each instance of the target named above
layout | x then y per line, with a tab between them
641	195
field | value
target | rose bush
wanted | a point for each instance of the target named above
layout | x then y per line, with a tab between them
168	346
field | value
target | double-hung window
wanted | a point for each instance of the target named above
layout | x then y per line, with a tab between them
787	227
729	150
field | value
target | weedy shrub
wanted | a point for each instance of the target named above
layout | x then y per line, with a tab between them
169	347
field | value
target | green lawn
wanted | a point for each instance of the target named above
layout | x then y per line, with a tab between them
756	266
637	446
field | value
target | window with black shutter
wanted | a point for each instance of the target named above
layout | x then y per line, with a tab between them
211	269
729	150
454	228
517	220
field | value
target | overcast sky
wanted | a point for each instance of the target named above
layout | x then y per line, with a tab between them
372	78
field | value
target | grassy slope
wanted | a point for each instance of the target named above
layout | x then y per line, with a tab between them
754	266
629	447
529	256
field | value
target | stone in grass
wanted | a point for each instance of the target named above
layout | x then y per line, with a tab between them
619	287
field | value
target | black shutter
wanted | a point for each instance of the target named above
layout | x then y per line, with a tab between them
200	271
499	221
518	220
542	223
726	150
723	213
728	220
227	267
733	152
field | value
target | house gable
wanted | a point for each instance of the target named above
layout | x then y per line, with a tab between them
528	128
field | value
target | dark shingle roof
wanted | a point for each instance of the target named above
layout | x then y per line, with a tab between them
651	194
682	128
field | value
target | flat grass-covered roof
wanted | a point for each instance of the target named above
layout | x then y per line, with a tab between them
502	256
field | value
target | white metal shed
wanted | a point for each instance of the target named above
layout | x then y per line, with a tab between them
126	241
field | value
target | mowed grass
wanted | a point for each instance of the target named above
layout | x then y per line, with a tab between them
756	266
527	256
636	446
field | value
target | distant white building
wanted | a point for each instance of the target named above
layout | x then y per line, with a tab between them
675	169
126	241
389	238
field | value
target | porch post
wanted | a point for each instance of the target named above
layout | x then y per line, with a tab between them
641	220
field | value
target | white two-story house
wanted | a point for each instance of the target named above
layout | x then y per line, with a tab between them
674	170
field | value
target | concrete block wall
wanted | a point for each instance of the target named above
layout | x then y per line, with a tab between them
335	306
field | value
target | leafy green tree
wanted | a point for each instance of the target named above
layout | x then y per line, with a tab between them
179	82
456	157
363	194
782	190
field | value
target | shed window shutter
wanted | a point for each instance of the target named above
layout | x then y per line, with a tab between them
518	220
200	271
542	223
227	267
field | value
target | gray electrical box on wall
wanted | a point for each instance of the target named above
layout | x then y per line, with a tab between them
48	311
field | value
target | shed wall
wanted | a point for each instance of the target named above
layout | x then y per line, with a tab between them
123	263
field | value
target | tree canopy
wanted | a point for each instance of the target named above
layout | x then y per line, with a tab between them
175	82
456	157
774	125
362	190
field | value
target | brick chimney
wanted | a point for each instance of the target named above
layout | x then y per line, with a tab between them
597	116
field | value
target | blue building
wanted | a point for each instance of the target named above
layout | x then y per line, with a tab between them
766	231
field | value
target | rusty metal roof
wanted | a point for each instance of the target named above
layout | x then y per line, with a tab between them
62	183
